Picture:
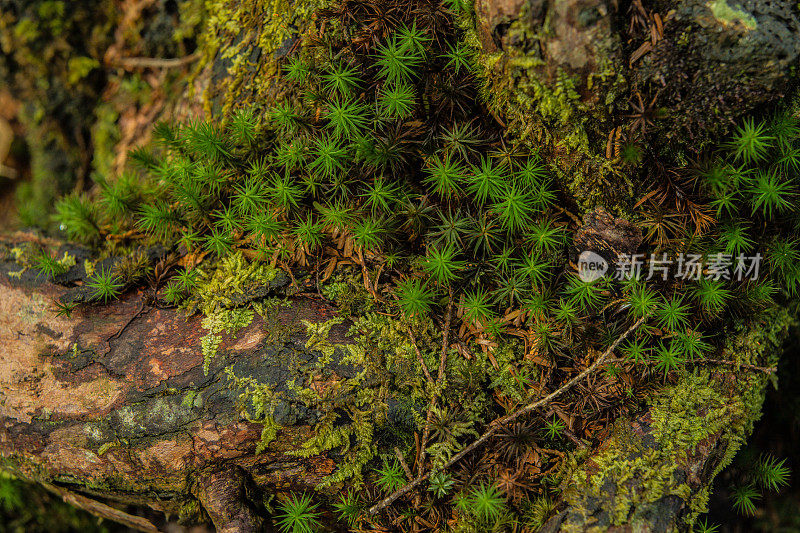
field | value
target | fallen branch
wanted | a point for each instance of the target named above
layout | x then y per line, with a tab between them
500	422
101	510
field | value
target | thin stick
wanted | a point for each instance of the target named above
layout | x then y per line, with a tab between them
500	422
403	463
724	362
764	369
442	364
419	356
154	62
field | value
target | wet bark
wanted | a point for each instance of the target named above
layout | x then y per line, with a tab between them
113	402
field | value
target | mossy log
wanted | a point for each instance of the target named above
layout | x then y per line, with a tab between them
113	404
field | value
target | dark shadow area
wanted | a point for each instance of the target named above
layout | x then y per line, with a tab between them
777	434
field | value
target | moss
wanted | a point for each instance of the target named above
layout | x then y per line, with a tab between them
363	403
79	68
53	164
349	295
640	470
245	39
545	105
216	294
231	276
50	53
105	135
221	321
351	407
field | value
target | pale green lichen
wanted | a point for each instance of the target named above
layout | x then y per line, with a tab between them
730	15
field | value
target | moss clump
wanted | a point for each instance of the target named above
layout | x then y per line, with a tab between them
259	402
350	296
728	14
561	106
640	470
216	294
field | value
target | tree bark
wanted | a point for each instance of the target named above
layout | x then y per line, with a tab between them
114	402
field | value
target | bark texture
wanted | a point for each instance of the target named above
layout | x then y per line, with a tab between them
114	402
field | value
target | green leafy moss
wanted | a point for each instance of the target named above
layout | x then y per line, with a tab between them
636	473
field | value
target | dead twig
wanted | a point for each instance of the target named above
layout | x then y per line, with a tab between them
155	62
500	422
129	322
403	463
419	356
764	369
721	362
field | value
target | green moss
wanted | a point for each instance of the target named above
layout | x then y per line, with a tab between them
258	402
49	60
231	276
221	321
364	405
105	136
80	67
635	472
215	294
245	38
52	168
349	295
544	109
